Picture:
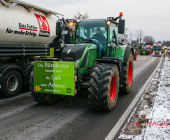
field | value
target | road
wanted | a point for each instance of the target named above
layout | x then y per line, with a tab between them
22	118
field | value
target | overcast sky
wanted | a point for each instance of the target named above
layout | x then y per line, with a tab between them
151	16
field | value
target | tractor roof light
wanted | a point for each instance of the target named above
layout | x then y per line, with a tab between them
109	20
71	23
121	14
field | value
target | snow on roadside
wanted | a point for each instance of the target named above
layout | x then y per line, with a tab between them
161	107
156	125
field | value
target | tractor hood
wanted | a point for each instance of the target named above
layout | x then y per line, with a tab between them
73	52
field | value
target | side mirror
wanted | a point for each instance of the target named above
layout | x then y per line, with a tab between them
121	27
58	29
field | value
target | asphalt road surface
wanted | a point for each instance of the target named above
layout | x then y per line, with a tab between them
22	118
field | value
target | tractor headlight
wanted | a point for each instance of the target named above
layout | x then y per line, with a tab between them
108	22
77	63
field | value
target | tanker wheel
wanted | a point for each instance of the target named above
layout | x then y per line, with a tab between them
42	98
127	82
11	84
104	87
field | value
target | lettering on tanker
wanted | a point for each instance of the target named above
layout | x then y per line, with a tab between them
28	27
9	31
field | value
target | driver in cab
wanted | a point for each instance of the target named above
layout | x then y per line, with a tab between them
99	36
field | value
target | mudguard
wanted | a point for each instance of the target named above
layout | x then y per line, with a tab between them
123	52
127	52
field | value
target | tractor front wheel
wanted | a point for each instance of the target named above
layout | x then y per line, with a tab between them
127	82
42	98
104	87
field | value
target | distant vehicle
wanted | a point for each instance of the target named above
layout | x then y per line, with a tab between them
135	43
157	49
163	50
149	48
145	51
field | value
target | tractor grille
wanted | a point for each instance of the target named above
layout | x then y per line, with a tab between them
156	53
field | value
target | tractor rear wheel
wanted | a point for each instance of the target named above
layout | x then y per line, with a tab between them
42	98
127	82
104	87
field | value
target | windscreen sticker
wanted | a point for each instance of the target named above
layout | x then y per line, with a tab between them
43	26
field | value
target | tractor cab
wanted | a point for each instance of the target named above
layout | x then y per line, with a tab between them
144	48
93	31
95	37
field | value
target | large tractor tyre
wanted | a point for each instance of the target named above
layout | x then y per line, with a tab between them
11	84
104	87
42	98
126	85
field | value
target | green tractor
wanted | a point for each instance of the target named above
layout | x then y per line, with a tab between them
145	51
96	60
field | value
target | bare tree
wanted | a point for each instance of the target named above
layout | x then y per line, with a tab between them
148	40
126	33
139	35
80	16
159	42
166	43
131	34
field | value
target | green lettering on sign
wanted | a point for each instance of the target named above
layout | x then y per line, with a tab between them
54	77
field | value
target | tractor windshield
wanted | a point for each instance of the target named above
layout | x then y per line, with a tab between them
157	48
144	48
92	31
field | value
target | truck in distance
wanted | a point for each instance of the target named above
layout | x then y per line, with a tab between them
157	49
